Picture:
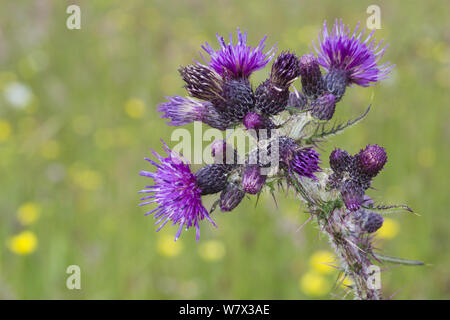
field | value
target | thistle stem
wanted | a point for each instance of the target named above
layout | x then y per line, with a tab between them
353	252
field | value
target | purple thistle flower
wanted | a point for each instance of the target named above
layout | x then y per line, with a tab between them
269	99
352	194
238	60
373	222
324	107
202	82
303	161
175	192
253	120
285	70
230	197
239	99
367	221
252	179
311	76
182	111
371	160
340	160
357	57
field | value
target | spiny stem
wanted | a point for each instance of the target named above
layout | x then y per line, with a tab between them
354	260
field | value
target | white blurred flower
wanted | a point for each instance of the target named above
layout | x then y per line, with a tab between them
18	94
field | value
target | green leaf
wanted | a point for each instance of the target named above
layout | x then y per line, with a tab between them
398	260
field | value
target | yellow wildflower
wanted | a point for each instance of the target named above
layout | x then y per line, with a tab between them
321	262
389	229
23	243
28	213
134	108
167	247
212	250
314	284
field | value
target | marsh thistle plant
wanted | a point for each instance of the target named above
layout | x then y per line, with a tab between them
287	123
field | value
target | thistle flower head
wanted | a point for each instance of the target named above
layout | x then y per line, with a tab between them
202	82
211	178
270	99
309	70
352	194
252	179
351	53
230	197
373	222
175	192
371	159
367	221
339	160
303	161
285	70
239	99
182	111
238	60
253	120
324	107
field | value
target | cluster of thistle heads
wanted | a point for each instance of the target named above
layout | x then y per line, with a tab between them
221	95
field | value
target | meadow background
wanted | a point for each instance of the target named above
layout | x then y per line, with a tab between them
77	118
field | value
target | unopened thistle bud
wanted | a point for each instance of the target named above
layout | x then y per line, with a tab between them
252	179
368	221
324	107
373	222
371	160
258	125
202	82
270	99
239	99
311	76
340	160
285	70
230	197
211	178
352	194
253	120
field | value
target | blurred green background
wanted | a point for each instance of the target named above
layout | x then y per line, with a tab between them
77	117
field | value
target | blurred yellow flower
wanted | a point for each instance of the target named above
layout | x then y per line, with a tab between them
135	108
50	150
5	130
23	243
314	284
389	229
167	247
87	179
321	262
212	250
28	213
